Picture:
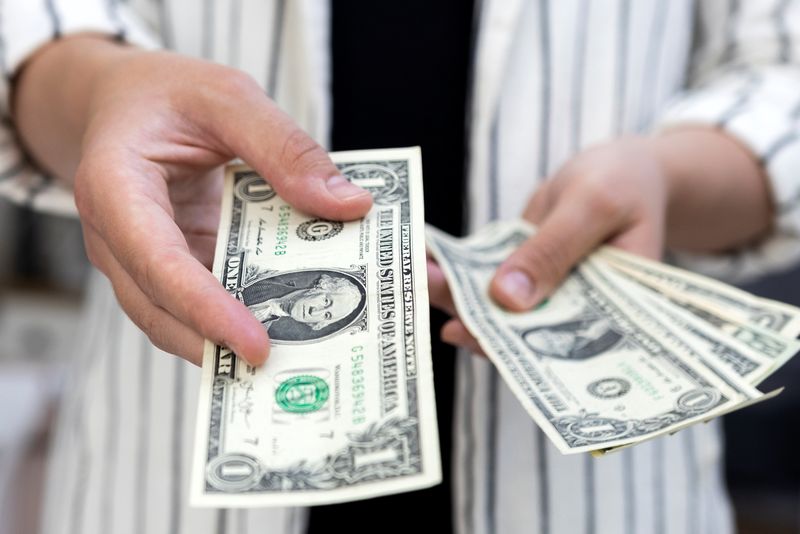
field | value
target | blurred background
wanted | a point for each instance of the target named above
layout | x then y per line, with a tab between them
42	274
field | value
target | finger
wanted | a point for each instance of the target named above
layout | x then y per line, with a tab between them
196	209
540	204
132	220
252	126
575	226
645	239
438	290
455	333
163	330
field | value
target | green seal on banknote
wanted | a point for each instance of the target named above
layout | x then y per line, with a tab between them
302	394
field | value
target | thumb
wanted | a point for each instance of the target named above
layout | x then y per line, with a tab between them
252	126
570	232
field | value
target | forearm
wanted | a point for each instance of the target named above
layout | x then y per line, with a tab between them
719	196
52	98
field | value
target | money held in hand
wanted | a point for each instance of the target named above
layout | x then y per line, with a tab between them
344	407
608	361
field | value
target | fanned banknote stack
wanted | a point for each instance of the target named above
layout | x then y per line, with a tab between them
626	349
344	408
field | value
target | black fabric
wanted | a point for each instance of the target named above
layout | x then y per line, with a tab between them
400	79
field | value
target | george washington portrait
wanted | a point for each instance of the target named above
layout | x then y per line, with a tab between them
305	305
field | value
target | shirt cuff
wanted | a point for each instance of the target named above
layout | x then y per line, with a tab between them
25	27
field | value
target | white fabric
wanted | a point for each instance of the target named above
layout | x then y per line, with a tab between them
549	79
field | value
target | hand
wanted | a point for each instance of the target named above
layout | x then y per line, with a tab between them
158	128
692	188
615	193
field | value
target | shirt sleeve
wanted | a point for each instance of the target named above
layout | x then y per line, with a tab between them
25	26
746	82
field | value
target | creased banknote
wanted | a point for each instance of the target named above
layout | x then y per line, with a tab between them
594	366
751	351
344	407
727	301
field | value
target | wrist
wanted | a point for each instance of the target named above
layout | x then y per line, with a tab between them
52	96
718	194
661	148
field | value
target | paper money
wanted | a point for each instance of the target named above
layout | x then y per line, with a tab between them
749	350
593	366
726	301
344	407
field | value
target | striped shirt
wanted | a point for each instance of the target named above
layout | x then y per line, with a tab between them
548	79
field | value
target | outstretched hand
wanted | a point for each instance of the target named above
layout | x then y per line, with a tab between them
616	193
692	188
149	183
158	128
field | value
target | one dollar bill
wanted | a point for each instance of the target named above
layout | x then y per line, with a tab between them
594	368
707	293
344	407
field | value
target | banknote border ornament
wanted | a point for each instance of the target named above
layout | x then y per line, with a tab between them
343	468
577	429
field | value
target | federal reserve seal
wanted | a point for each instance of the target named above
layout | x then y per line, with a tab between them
609	388
250	187
319	229
302	394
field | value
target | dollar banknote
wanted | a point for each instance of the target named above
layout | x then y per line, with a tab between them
344	407
725	301
594	366
719	348
749	350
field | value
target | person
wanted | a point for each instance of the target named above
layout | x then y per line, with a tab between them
295	313
648	125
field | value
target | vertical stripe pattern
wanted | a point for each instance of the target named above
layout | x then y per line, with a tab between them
275	52
782	29
572	73
177	448
207	38
54	18
143	436
544	170
111	439
494	377
692	495
234	32
732	21
623	30
468	381
165	17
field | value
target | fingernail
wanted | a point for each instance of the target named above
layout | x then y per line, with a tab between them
518	287
341	188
